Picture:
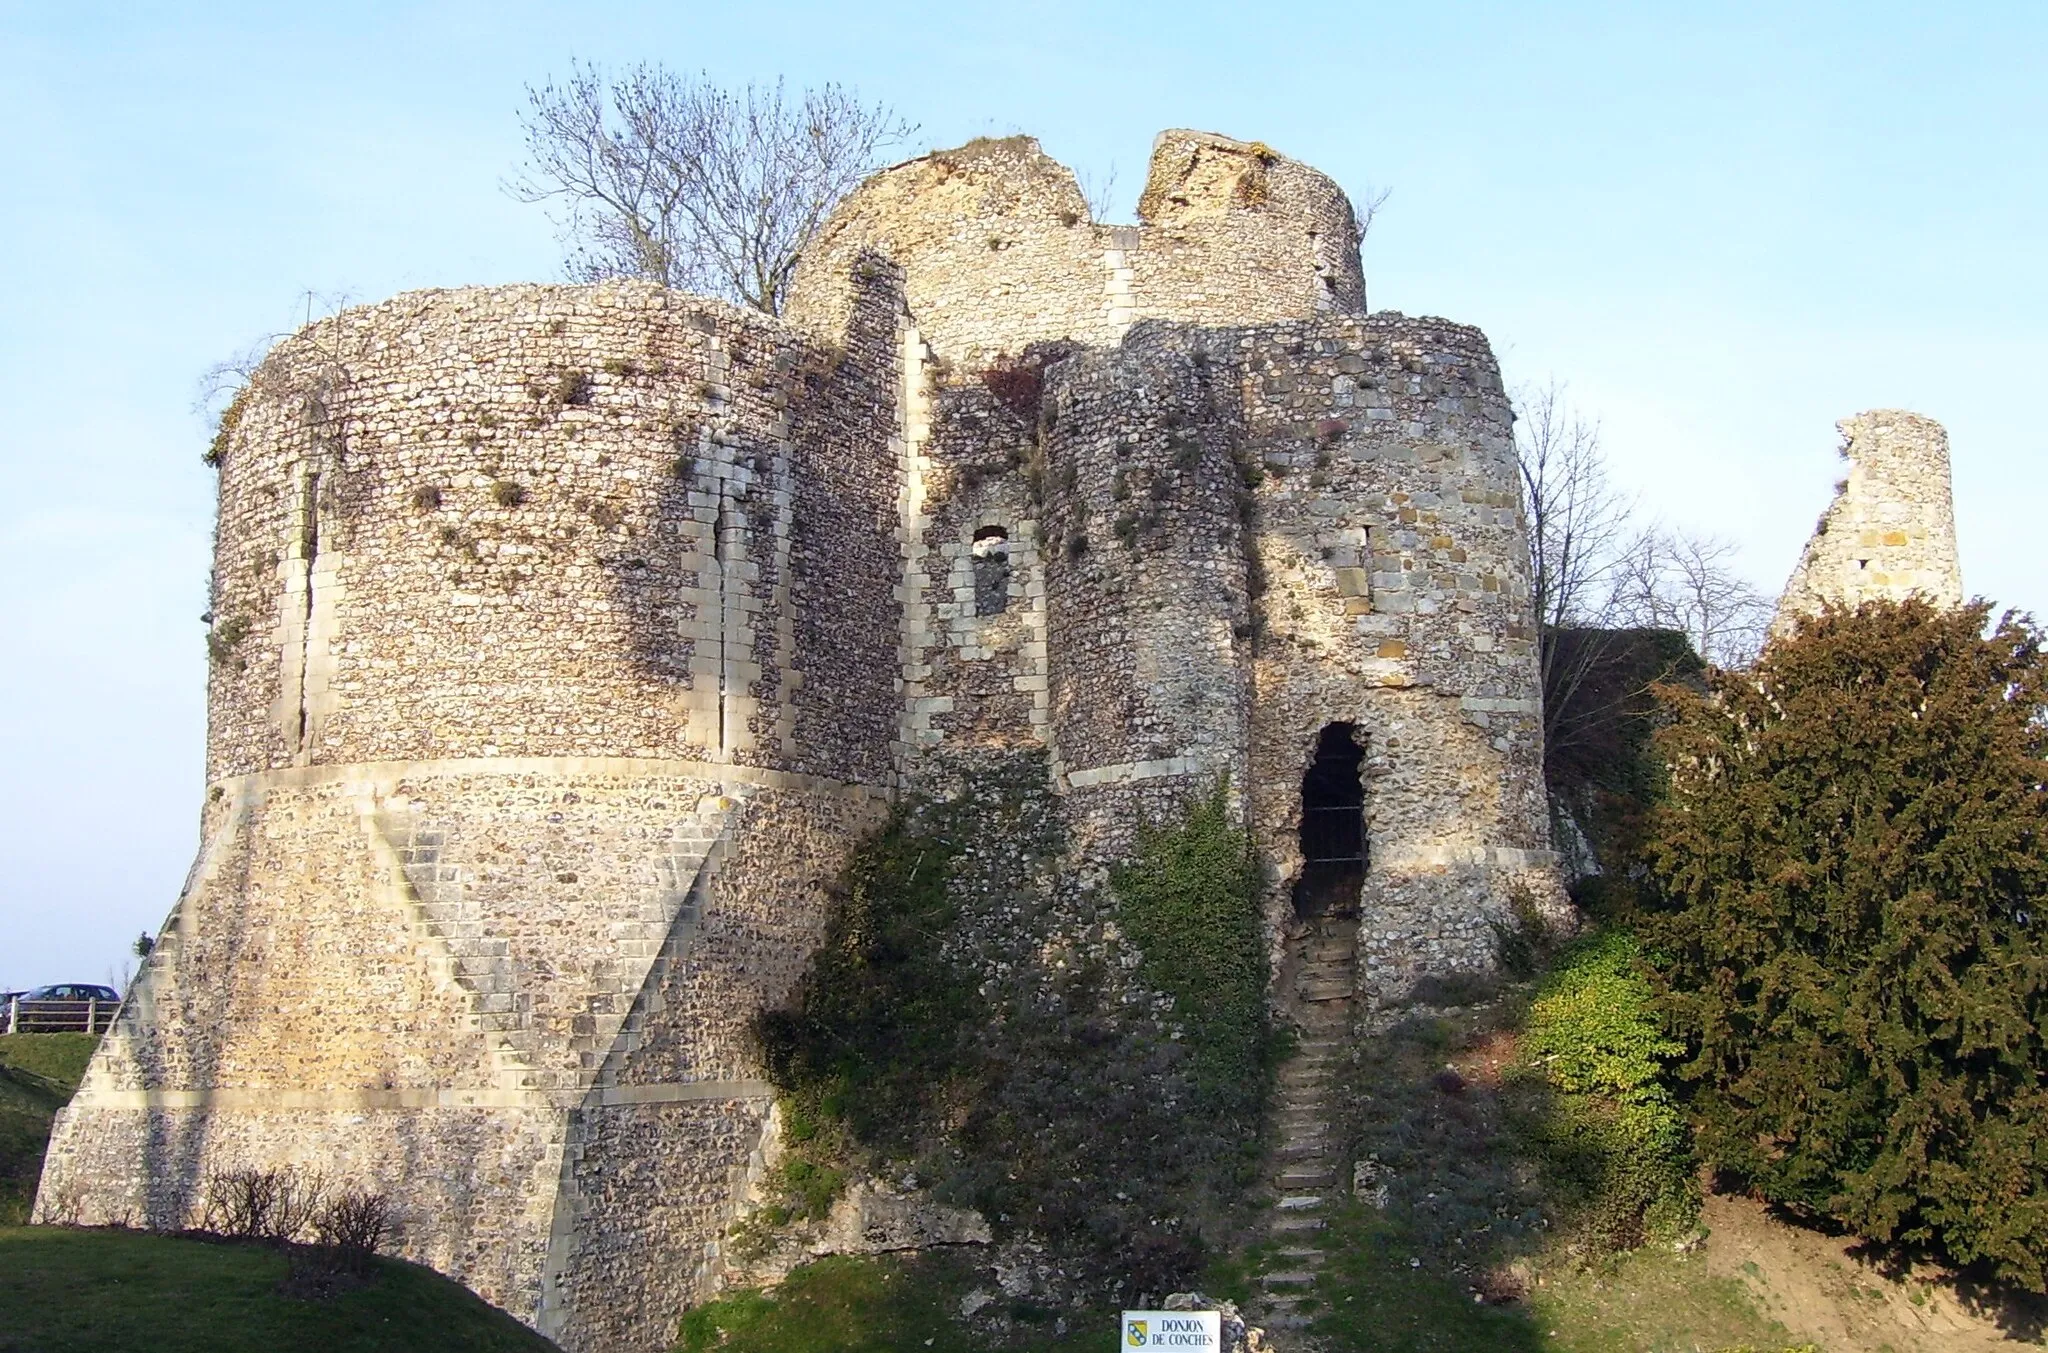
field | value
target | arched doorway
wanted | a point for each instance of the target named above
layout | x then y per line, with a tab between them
1332	826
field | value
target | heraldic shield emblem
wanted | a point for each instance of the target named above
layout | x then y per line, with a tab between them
1135	1333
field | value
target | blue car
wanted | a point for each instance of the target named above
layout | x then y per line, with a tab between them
75	1007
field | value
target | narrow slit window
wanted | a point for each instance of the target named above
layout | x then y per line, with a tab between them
991	570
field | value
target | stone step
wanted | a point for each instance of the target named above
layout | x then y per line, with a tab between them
1333	991
1300	1202
1299	1151
1295	1223
1300	1256
1307	1177
1312	1099
1295	1279
1329	1054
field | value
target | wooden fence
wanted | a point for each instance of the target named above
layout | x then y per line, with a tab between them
56	1017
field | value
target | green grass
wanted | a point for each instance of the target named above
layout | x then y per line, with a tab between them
1651	1301
63	1290
57	1057
849	1305
38	1073
1376	1298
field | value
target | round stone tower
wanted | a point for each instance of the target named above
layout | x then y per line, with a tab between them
552	648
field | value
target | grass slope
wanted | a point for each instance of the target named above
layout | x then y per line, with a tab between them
38	1073
87	1291
858	1305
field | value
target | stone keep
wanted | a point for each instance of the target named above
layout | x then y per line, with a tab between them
1890	532
565	638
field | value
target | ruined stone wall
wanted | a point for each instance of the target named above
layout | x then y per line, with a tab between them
551	521
1150	631
1234	233
975	576
555	652
1890	532
998	250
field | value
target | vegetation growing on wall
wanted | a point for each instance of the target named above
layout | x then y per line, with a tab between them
1005	1033
1189	901
1853	866
224	431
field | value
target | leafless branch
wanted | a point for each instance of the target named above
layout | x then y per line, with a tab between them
1369	207
1098	191
673	179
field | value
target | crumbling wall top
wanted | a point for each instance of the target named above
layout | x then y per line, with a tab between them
999	250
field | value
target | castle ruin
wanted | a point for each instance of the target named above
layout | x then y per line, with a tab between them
566	637
1890	532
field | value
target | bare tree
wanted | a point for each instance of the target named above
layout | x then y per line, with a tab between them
1597	577
1576	520
671	178
1675	580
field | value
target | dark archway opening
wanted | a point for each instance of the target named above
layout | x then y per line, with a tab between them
1332	826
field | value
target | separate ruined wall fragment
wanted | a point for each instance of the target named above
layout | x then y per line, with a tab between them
1890	532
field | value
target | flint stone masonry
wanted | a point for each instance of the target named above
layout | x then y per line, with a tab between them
567	637
1890	532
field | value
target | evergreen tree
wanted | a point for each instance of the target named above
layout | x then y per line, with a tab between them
1852	871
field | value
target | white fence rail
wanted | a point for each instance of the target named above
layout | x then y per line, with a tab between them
56	1017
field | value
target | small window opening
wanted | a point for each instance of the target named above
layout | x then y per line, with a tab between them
991	571
1332	826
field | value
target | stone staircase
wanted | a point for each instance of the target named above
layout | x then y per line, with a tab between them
1305	1167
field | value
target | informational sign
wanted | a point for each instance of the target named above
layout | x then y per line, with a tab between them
1173	1329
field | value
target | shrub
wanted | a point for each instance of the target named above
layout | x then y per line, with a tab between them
1611	1130
875	1029
353	1225
964	1017
1852	863
426	497
505	493
275	1204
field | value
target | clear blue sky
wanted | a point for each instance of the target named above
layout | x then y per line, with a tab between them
1724	225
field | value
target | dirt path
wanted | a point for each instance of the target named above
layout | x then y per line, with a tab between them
1819	1287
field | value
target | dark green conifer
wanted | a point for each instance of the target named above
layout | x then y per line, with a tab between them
1852	866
